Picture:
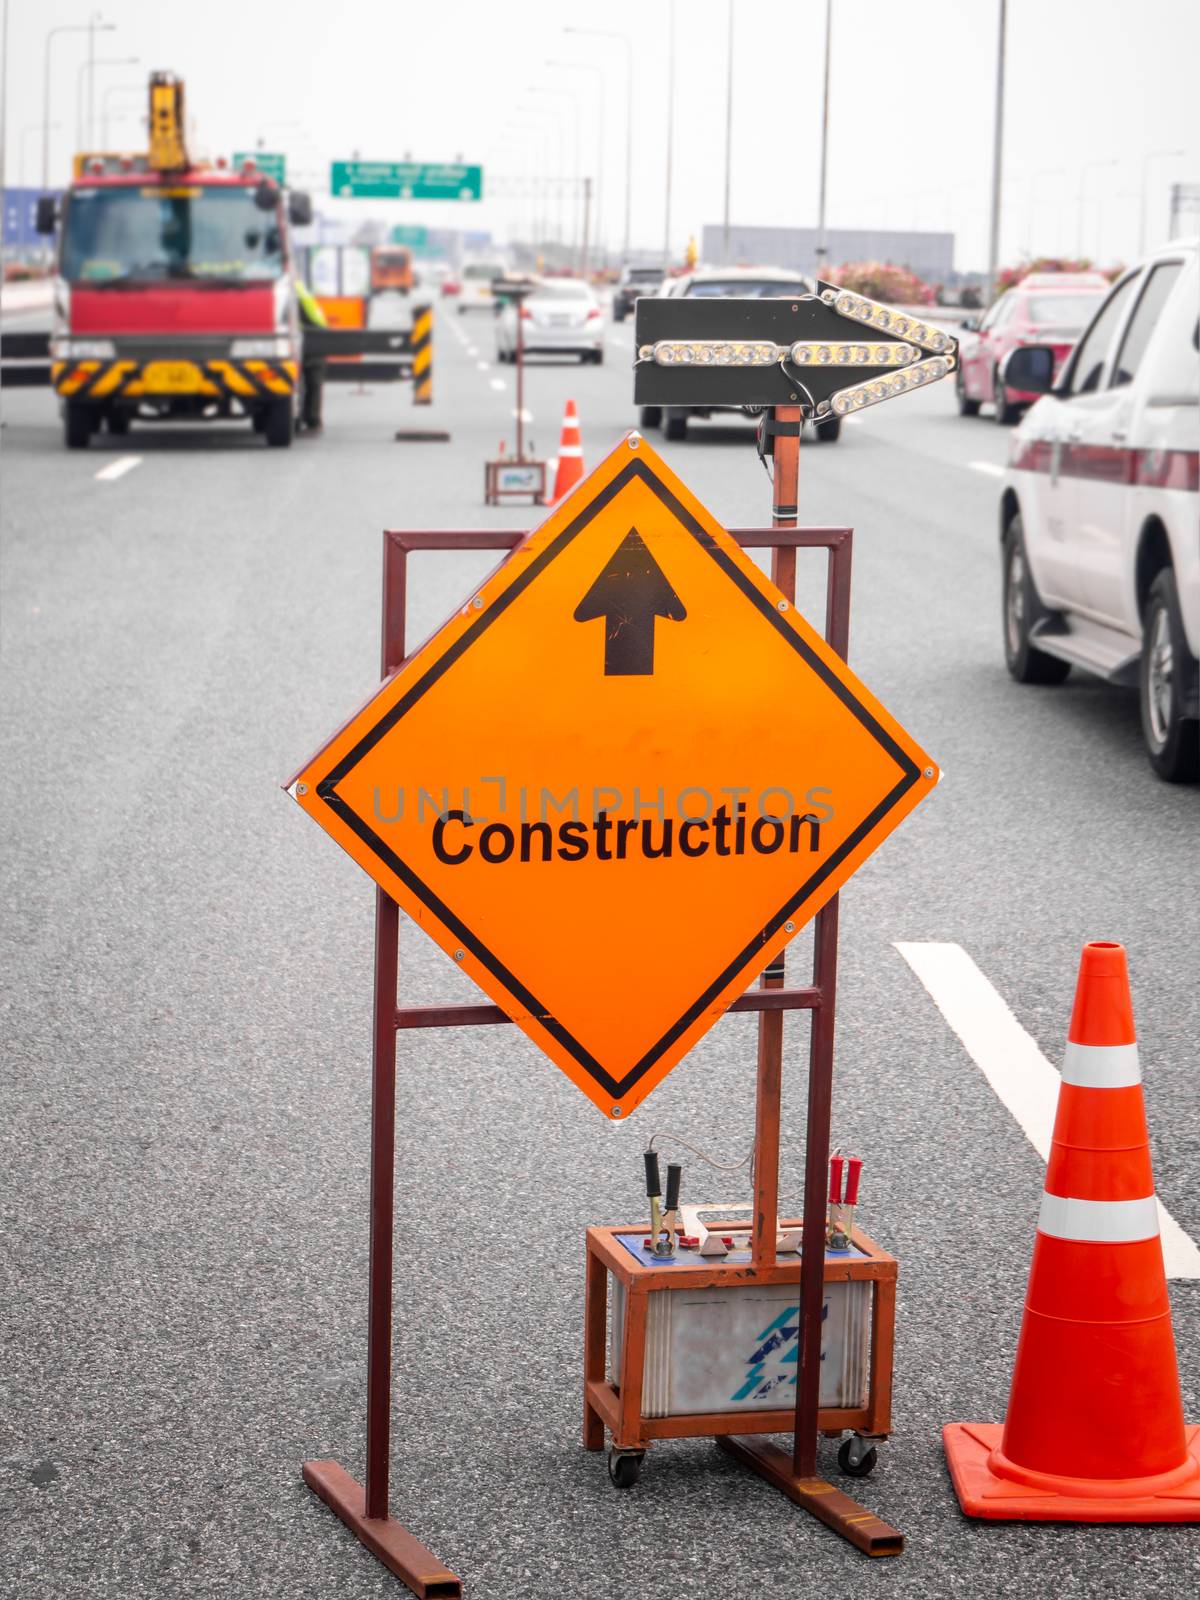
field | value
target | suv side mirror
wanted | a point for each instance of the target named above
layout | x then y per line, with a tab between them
300	208
1030	368
46	216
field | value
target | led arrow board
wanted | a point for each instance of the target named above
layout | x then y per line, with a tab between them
828	353
619	780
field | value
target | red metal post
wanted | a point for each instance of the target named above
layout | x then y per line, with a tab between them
383	1147
820	1089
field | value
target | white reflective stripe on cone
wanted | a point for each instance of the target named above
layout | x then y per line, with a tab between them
570	449
1101	1066
1099	1221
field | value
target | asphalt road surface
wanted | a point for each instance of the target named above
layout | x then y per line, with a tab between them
187	1014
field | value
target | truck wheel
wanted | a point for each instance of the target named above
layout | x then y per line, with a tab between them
1022	608
1172	740
650	417
118	422
830	431
675	423
78	425
280	425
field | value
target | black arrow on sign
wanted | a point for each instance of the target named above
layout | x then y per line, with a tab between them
629	593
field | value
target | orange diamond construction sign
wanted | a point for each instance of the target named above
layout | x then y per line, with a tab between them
619	780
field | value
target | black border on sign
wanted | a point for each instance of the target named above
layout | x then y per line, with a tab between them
327	787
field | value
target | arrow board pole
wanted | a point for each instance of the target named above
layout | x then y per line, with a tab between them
796	1477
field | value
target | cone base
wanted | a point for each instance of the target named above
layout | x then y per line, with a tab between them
982	1494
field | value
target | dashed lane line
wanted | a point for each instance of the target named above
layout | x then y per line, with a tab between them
499	383
118	468
1021	1076
988	467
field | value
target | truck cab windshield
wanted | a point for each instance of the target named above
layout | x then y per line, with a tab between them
169	231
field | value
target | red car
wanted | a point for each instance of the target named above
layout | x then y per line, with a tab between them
1049	308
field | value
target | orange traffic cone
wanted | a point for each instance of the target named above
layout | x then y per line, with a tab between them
569	470
1095	1429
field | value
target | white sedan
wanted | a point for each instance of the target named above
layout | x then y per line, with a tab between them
561	316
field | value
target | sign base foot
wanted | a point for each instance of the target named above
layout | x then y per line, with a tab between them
384	1537
836	1510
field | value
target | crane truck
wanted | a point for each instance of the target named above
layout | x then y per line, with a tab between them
175	297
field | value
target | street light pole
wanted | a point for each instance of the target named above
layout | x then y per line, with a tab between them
822	244
603	33
728	134
567	95
52	34
670	132
590	66
1154	155
997	159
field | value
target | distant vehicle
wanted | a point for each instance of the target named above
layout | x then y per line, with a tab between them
761	283
475	293
1049	308
175	297
561	316
634	281
1101	503
451	285
391	268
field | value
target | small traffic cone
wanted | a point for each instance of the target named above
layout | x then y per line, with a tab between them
569	468
1095	1429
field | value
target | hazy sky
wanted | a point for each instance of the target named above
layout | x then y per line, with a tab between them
1095	87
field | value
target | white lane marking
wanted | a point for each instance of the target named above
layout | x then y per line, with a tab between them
1014	1066
855	422
990	467
118	468
523	416
470	349
499	383
484	366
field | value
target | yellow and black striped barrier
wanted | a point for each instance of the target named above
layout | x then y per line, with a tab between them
126	379
422	355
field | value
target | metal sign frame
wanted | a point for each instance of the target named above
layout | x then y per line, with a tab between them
365	1508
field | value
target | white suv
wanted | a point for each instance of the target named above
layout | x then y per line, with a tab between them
1100	513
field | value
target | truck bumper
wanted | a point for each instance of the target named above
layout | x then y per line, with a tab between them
136	378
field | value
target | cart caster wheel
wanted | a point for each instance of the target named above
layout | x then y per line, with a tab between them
625	1467
860	1464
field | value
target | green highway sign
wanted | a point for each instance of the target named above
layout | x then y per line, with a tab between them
409	233
271	163
405	180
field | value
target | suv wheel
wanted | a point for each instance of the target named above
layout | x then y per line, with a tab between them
1006	411
830	431
1172	740
650	417
675	423
1022	608
966	406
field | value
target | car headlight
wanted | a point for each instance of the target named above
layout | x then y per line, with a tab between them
261	349
82	349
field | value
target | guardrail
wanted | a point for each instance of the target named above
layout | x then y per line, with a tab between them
351	355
